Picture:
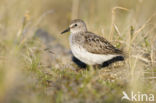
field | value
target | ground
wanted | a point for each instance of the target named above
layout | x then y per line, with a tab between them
36	62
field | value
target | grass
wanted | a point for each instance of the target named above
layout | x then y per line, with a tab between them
35	71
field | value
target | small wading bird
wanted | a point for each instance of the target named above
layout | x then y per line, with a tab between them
89	48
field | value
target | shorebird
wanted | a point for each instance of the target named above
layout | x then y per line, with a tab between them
90	48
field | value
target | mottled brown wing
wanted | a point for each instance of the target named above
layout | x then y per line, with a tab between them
99	45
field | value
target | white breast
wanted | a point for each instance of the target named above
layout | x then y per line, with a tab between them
87	57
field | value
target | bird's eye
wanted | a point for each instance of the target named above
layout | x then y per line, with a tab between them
75	25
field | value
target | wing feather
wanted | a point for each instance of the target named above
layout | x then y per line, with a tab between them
99	45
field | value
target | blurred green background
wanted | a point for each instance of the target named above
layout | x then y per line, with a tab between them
24	73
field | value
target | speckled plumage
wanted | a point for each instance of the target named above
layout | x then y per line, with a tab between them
98	45
89	47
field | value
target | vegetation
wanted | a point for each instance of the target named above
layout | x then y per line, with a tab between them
35	60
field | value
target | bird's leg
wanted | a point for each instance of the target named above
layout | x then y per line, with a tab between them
96	66
89	67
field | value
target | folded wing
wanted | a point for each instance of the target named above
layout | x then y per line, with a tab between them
98	45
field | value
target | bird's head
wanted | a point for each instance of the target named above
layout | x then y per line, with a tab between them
76	26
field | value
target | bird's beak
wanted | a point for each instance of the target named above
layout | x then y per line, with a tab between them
67	30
